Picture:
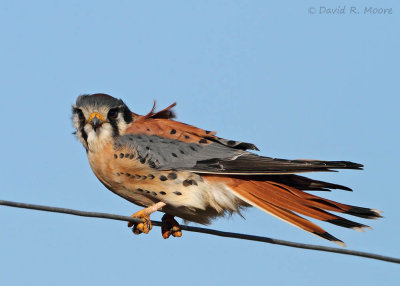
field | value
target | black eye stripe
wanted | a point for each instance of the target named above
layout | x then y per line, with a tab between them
84	135
127	115
114	126
112	116
80	129
80	114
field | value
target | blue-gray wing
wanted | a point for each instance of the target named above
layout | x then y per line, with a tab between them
216	158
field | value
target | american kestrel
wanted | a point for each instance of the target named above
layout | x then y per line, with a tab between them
165	165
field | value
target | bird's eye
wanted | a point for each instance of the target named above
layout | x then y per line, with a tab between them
113	113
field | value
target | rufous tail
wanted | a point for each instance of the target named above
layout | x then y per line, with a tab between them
285	202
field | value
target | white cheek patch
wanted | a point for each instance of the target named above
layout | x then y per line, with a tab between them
75	121
80	138
78	133
121	124
97	139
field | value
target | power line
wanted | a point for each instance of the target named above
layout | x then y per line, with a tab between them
203	230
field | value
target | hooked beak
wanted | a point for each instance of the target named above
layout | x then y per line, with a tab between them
96	120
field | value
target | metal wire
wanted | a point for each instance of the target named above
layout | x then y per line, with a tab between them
204	230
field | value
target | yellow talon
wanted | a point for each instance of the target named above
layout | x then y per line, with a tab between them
170	227
141	227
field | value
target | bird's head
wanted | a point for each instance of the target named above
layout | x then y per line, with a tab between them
98	118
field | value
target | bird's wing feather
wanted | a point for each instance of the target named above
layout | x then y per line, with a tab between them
175	145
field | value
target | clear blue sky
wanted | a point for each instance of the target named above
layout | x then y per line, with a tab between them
296	84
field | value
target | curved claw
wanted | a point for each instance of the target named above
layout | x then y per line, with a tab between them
170	227
141	227
145	226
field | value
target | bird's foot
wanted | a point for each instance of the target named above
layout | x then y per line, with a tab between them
144	215
141	227
170	227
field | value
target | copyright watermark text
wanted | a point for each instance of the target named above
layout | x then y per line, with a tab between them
349	10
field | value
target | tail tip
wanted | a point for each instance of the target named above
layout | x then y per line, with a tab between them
340	243
365	212
328	236
360	229
378	213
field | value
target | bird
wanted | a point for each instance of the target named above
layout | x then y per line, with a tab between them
183	171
